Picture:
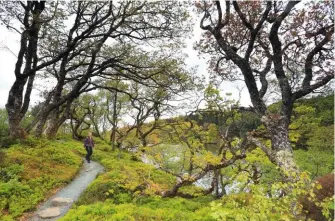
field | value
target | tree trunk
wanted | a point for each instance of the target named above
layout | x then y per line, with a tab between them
143	140
223	186
114	121
190	168
51	131
53	107
173	192
41	123
281	149
53	127
77	128
17	105
58	117
33	124
50	111
14	122
13	107
75	134
216	183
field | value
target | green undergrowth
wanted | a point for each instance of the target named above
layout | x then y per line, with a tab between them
32	170
130	190
152	209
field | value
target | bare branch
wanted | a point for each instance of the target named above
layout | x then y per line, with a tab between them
242	16
308	89
310	56
227	15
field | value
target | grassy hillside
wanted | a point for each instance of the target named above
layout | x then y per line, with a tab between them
129	190
32	170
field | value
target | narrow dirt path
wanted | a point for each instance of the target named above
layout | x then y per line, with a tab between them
62	201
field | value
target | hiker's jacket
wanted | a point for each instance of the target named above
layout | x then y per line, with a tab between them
89	142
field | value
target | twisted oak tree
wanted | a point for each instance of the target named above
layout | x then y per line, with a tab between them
289	43
80	41
26	65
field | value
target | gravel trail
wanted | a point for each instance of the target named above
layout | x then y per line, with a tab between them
72	191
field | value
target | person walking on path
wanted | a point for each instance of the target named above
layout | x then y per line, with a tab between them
89	145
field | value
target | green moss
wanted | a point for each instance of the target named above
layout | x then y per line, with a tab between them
109	211
30	172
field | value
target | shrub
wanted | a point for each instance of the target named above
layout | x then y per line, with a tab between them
128	211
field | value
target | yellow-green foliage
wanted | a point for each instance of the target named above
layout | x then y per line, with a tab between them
263	202
163	209
31	170
123	176
269	171
130	190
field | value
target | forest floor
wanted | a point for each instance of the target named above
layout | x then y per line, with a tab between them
61	202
